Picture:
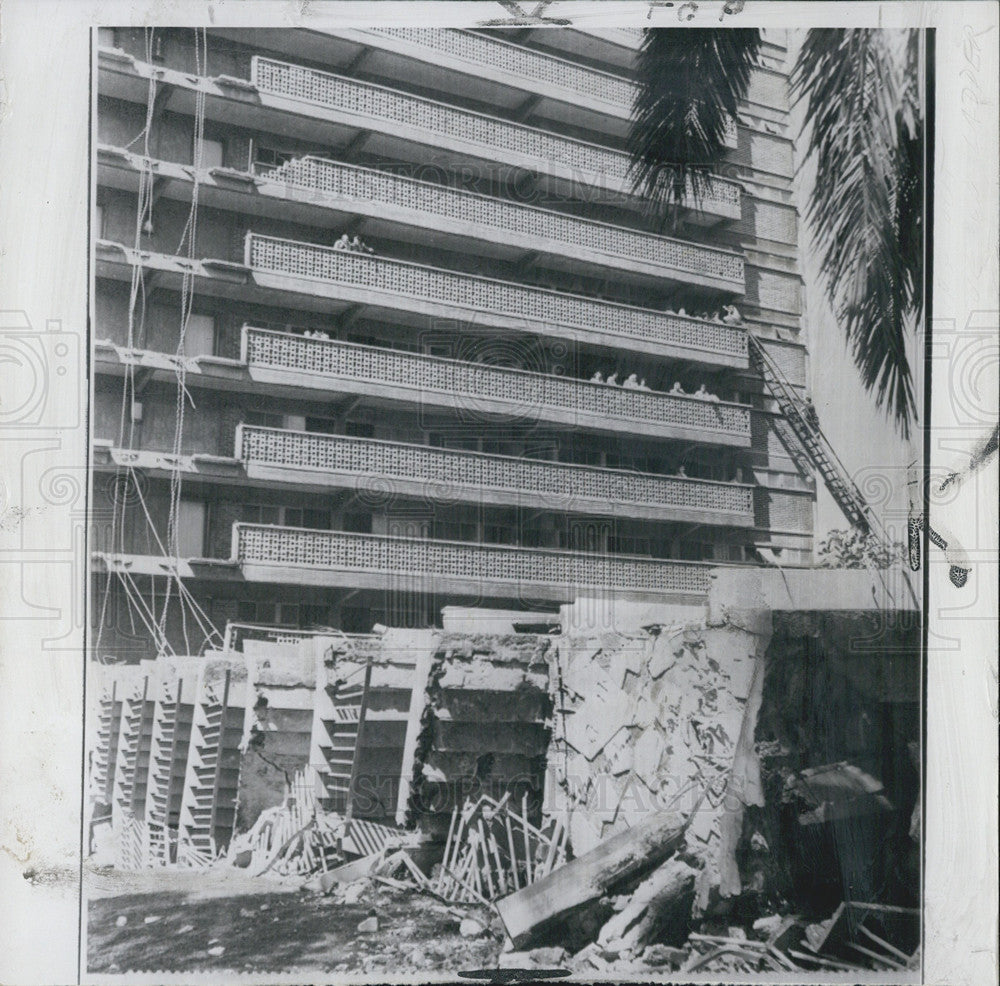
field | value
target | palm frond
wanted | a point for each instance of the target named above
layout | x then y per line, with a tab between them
690	83
863	117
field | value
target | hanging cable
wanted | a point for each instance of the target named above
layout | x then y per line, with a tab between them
189	237
144	207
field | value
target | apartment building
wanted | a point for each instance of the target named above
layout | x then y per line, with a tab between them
290	432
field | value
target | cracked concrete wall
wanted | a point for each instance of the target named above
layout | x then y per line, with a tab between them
659	717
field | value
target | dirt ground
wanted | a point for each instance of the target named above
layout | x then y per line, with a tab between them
268	927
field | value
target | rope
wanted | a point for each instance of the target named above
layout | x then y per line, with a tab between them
127	433
189	236
136	286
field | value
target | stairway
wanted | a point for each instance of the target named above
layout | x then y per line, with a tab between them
802	420
169	753
208	807
109	718
348	702
131	770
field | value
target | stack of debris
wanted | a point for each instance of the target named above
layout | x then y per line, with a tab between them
293	838
493	850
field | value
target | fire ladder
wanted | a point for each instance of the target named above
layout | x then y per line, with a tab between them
802	420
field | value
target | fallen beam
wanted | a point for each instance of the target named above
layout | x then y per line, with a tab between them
532	914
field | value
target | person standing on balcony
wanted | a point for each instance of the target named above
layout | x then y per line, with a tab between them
631	382
677	389
613	380
598	377
342	243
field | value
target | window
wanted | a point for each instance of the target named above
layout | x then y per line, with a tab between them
199	336
358	619
106	37
541	450
318	520
442	530
302	616
396	345
272	326
191	520
358	523
267	159
311	615
443	350
264	419
212	153
250	612
441	439
407	527
359	429
99	222
500	534
696	550
320	426
261	513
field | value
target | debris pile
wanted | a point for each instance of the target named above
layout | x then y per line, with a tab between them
493	850
294	838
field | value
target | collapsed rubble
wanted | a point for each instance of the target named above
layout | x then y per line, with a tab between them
638	795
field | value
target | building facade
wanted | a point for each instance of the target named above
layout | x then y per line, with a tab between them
289	432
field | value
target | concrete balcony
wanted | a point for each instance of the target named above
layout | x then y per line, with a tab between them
325	461
335	558
384	288
395	285
293	361
482	67
351	116
329	194
564	161
676	260
571	87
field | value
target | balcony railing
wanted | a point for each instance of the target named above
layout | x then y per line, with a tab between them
536	68
522	390
588	162
497	565
481	295
449	469
522	62
350	182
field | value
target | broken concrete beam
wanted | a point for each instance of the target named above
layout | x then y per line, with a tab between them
388	676
525	705
662	898
533	914
519	648
486	676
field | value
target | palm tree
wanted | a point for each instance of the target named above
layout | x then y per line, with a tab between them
864	130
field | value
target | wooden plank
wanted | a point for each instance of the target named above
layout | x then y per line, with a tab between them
532	913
